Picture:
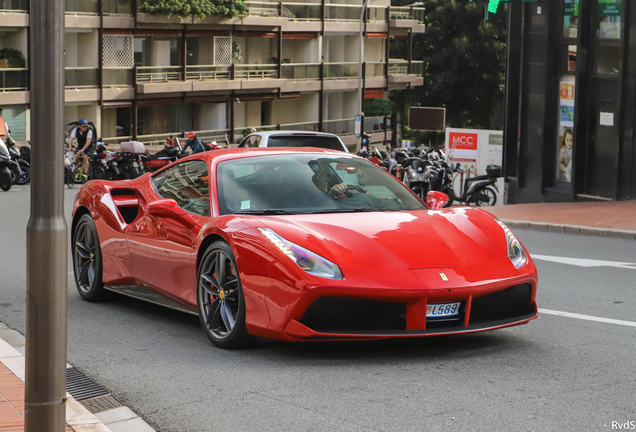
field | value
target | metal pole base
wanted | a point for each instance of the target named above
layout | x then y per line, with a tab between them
45	418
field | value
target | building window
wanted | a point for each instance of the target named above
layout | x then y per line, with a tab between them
571	19
609	19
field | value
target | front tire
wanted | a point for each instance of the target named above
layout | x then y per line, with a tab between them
26	176
87	260
220	298
5	181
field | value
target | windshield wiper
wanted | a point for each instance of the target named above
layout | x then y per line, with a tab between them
267	212
345	210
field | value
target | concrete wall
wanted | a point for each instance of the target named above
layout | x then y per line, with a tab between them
239	114
70	49
210	116
205	50
334	49
349	101
87	49
259	51
109	123
374	50
160	53
253	113
301	50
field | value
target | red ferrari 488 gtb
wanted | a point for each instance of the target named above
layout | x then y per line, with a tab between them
299	244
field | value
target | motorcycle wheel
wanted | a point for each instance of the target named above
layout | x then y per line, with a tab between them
69	178
99	173
5	181
492	198
26	176
109	175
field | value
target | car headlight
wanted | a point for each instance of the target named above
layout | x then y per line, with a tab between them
515	250
305	259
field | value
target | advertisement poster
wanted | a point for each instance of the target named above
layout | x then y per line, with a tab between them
609	19
474	150
566	128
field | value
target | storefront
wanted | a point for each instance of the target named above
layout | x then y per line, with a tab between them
570	101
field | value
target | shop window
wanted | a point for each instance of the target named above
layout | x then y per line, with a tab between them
571	18
606	59
566	128
609	19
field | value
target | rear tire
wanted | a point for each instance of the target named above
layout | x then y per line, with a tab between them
5	181
69	178
26	176
492	197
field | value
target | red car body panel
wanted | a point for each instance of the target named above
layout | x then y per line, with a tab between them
394	257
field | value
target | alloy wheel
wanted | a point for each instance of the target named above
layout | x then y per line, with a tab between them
85	257
219	296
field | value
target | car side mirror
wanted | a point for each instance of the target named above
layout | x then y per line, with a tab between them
168	208
436	200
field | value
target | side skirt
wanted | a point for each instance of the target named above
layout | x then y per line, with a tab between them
149	296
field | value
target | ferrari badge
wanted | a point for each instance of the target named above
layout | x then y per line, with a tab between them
444	277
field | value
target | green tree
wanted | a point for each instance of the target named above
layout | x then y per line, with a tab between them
464	62
194	8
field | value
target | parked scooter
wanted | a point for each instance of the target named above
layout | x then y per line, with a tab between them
21	172
163	157
479	190
6	164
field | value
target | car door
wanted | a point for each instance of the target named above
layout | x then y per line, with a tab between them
163	249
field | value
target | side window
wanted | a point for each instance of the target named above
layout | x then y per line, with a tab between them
250	141
188	184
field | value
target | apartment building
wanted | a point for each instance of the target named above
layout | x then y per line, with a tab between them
286	65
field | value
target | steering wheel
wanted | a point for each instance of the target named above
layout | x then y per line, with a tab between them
349	188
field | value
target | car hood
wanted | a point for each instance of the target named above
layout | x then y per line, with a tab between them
412	240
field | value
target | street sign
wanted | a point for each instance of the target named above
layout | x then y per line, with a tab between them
428	119
358	126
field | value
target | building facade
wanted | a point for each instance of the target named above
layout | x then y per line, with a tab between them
570	101
284	66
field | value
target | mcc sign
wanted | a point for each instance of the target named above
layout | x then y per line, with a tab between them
462	140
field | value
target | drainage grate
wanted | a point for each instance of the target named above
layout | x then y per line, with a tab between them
100	403
80	386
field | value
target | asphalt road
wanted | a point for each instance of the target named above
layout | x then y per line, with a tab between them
554	374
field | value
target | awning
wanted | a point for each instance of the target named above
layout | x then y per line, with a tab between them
157	32
197	99
373	93
207	33
377	35
118	32
264	35
144	102
300	35
117	104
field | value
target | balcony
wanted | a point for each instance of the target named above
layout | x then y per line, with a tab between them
81	7
14	6
406	17
14	79
14	13
118	8
403	75
77	78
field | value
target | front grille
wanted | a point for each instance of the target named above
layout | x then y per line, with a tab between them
502	305
336	314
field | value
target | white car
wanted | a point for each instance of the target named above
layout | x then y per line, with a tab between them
293	139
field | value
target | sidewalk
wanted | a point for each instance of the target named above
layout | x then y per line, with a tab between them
604	219
78	417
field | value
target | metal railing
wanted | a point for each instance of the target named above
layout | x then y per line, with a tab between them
221	136
116	140
374	124
117	77
242	132
408	13
158	139
14	6
348	70
301	11
301	71
247	71
118	8
208	72
376	13
14	79
342	13
81	77
339	127
398	67
158	74
81	7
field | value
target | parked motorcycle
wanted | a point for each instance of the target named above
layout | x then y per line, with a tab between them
21	172
6	164
163	157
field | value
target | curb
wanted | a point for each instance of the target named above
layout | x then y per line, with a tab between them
570	229
78	417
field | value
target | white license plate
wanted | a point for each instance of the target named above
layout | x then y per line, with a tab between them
442	310
135	164
114	163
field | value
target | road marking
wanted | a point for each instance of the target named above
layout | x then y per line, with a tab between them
588	317
582	262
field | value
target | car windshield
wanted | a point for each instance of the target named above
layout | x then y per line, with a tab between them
325	142
309	183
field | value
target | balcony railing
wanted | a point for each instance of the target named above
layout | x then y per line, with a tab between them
246	71
376	14
118	8
342	13
375	124
118	77
14	79
208	73
301	71
347	70
81	78
398	67
158	139
301	11
339	127
408	13
82	7
263	9
14	6
159	74
417	68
